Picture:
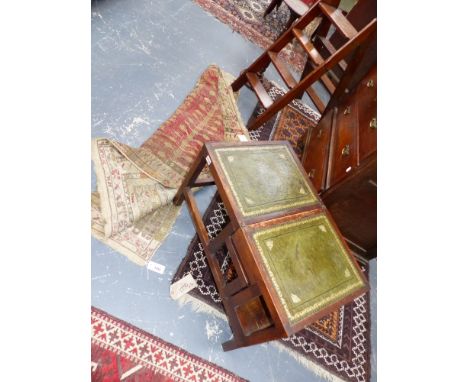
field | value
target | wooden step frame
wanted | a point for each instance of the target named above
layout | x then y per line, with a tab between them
322	66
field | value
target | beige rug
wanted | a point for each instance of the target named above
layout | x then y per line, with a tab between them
132	210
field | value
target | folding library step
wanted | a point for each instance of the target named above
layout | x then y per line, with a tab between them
320	67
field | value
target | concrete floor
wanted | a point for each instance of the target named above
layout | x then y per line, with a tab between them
146	57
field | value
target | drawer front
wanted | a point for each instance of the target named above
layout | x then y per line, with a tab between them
344	155
316	154
367	115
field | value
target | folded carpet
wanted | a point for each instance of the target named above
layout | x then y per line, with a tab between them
132	210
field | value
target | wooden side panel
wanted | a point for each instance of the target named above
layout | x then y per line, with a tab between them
353	204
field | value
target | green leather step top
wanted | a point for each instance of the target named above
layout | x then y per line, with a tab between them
264	179
308	265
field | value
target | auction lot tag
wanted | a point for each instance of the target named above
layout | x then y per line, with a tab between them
184	285
155	267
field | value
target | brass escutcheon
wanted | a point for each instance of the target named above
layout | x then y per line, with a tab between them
347	110
345	150
370	84
319	134
312	173
373	123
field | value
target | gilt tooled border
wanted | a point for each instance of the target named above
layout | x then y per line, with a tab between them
330	297
277	207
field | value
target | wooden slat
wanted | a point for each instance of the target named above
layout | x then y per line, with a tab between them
203	182
282	70
315	56
196	217
331	49
259	90
315	99
339	20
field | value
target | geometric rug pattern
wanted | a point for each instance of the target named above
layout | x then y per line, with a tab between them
122	352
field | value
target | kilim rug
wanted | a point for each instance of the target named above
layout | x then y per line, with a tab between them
337	347
246	18
132	210
122	352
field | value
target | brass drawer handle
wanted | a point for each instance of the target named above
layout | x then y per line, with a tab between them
347	110
346	150
373	123
370	84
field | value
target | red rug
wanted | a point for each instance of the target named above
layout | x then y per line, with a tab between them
122	352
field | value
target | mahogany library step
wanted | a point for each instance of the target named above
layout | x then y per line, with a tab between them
314	55
341	23
321	67
259	89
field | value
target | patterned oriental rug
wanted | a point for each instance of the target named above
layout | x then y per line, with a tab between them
246	18
337	347
122	352
132	210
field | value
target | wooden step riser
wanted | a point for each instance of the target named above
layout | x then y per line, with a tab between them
332	50
315	57
259	90
339	20
282	70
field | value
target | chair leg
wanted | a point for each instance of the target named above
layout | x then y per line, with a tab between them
273	4
292	17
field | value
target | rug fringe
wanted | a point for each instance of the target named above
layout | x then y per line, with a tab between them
199	306
317	369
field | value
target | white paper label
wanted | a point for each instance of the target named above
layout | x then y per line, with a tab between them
155	267
184	285
208	160
242	138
